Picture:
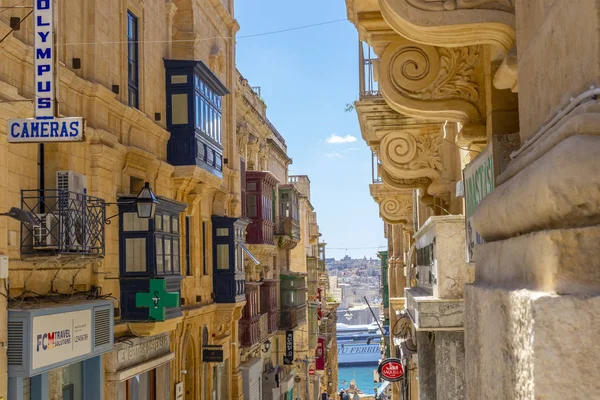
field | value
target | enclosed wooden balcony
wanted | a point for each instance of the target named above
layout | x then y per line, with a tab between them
260	206
293	300
288	225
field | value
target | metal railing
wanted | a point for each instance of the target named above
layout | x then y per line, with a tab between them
65	223
367	69
375	169
291	318
256	89
289	227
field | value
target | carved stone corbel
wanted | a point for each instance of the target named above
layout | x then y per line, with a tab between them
443	84
452	23
395	206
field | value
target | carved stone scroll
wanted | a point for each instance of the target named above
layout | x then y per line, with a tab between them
427	82
407	157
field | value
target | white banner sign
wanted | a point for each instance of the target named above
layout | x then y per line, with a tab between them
45	127
61	337
44	59
45	130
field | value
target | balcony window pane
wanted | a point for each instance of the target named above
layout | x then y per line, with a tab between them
158	222
160	268
132	223
175	255
239	259
198	116
222	231
168	260
223	256
179	109
178	79
135	255
252	207
175	225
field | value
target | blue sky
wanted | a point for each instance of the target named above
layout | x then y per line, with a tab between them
306	77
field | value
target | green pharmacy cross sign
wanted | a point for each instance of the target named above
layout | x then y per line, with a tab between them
158	299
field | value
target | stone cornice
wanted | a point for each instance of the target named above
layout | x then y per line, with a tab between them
450	26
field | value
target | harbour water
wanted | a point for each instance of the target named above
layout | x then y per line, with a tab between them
362	374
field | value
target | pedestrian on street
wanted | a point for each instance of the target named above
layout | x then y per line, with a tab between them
342	395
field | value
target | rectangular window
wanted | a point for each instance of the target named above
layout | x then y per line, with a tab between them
131	223
160	263
208	105
222	232
168	259
135	254
223	256
132	59
158	222
175	255
188	267
204	266
179	109
252	206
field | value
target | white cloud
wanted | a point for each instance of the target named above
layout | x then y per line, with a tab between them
335	139
334	155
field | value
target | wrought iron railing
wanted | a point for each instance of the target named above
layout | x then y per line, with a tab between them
256	89
65	223
368	66
375	168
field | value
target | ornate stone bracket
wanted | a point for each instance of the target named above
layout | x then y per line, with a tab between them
452	23
395	206
432	82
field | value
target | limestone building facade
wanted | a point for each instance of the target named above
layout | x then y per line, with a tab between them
506	92
139	74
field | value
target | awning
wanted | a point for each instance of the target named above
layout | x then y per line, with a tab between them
254	259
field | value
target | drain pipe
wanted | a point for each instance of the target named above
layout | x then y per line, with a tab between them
592	93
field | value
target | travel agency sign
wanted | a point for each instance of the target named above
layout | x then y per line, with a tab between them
45	127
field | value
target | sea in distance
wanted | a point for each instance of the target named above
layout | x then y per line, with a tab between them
363	375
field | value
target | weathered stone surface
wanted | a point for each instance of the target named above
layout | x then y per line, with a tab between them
559	190
523	344
450	365
563	261
431	313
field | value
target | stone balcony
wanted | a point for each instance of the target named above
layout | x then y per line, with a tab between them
429	313
436	303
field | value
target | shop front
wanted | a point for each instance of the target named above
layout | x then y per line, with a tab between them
252	377
56	351
139	368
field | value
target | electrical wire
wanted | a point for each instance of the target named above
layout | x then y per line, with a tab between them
20	5
209	38
12	29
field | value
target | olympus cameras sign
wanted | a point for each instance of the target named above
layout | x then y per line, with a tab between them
44	127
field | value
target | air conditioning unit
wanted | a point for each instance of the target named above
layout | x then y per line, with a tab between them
45	235
72	208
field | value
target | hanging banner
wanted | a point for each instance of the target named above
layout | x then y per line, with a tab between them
44	127
320	355
288	357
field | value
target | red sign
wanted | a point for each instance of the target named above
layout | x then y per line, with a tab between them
311	371
320	354
391	370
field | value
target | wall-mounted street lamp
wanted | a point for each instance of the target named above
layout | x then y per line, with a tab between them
21	215
267	346
145	204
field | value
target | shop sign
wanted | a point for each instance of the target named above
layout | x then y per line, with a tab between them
142	350
61	337
478	177
288	357
212	354
44	127
320	354
157	299
391	370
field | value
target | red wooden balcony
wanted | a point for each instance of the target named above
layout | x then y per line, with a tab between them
273	321
260	187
